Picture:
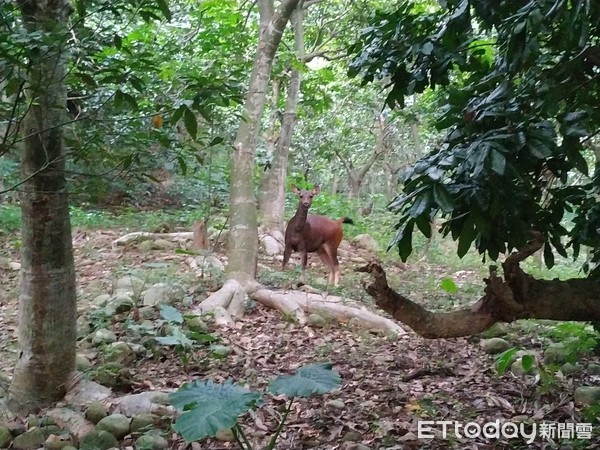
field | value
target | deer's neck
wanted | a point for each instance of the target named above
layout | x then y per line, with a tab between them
300	218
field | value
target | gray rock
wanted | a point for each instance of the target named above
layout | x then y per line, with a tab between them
100	301
98	440
121	303
103	336
556	354
518	369
119	352
115	424
593	369
5	437
83	327
587	395
160	398
30	440
316	321
69	447
145	246
129	283
494	345
496	330
56	442
366	241
220	350
163	244
151	441
146	312
569	369
195	323
225	435
210	264
142	422
82	363
163	293
95	412
337	404
271	246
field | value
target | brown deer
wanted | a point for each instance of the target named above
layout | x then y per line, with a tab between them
308	233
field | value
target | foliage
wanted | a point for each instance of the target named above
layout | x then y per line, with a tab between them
170	331
519	112
209	407
577	338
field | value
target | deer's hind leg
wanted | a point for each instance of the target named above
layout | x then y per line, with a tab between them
325	255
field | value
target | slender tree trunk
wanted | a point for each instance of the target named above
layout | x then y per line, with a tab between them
243	239
335	182
47	291
273	205
272	137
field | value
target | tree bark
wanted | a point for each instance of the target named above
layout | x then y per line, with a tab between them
517	296
47	300
243	238
273	205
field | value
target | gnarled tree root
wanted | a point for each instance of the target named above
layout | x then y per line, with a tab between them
517	296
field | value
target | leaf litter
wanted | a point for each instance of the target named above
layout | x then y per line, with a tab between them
388	384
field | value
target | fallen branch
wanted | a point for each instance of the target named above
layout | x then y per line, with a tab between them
517	296
138	236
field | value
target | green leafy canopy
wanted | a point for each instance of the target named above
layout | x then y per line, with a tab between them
518	94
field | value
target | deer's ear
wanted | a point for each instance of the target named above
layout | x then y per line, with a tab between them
295	189
316	189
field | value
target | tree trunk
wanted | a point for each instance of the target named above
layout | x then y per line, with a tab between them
272	136
518	296
273	205
243	238
47	291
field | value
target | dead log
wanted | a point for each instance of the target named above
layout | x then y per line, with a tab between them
517	296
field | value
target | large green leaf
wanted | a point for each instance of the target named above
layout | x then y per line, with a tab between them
308	380
209	407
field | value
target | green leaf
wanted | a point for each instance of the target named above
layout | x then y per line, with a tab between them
308	380
504	360
527	362
405	241
498	161
191	124
171	314
209	407
177	338
164	8
448	285
466	237
178	114
442	198
216	141
548	255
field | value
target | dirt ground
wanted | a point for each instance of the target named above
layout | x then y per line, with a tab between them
388	384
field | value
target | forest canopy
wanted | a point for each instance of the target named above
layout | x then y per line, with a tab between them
518	94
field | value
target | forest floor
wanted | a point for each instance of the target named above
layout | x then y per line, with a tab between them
388	383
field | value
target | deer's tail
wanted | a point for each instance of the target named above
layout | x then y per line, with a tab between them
345	220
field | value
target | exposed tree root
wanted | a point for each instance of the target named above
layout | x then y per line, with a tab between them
225	304
139	236
296	304
517	296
